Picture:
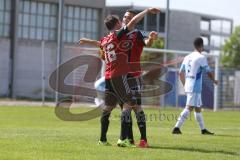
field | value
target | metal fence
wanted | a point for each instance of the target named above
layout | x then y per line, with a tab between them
229	97
169	60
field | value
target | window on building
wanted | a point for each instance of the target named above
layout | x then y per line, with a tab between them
162	22
5	18
205	25
216	26
80	22
215	41
37	20
205	40
226	27
151	22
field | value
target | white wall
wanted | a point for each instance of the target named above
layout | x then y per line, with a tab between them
28	68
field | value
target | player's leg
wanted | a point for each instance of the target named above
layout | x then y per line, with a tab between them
199	117
130	134
125	121
185	113
110	103
105	122
124	94
125	127
140	115
141	121
133	85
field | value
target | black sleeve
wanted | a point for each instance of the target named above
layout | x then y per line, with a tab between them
144	33
122	31
141	38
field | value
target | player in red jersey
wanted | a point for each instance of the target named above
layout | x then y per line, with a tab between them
138	39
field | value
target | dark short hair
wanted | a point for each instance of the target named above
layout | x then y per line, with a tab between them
132	11
198	42
111	21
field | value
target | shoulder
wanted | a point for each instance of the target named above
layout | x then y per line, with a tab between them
102	41
184	60
105	40
202	60
197	56
122	29
139	33
142	33
202	57
187	57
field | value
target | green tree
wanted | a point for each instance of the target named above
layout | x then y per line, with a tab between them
231	49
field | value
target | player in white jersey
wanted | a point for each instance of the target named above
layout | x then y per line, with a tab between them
190	74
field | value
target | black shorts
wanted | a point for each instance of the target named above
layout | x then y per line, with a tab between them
135	85
117	90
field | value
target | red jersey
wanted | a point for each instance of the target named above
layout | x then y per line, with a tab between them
134	55
116	48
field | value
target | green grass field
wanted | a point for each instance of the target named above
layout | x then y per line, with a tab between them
35	133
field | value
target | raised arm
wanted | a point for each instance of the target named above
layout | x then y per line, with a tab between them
140	16
93	43
89	41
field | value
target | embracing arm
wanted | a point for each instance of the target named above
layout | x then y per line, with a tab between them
89	41
140	16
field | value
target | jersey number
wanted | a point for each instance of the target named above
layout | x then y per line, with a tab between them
110	53
189	66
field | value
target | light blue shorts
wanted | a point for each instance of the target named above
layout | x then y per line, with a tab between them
100	84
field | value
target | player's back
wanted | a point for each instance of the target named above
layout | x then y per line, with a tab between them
116	56
192	63
193	66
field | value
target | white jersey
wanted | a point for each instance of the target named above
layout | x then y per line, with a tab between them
193	66
99	85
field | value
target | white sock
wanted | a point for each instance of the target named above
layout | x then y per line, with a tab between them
199	118
183	116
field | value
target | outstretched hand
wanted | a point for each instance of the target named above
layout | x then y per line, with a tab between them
153	35
153	10
81	41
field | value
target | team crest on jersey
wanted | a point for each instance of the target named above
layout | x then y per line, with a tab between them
131	36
